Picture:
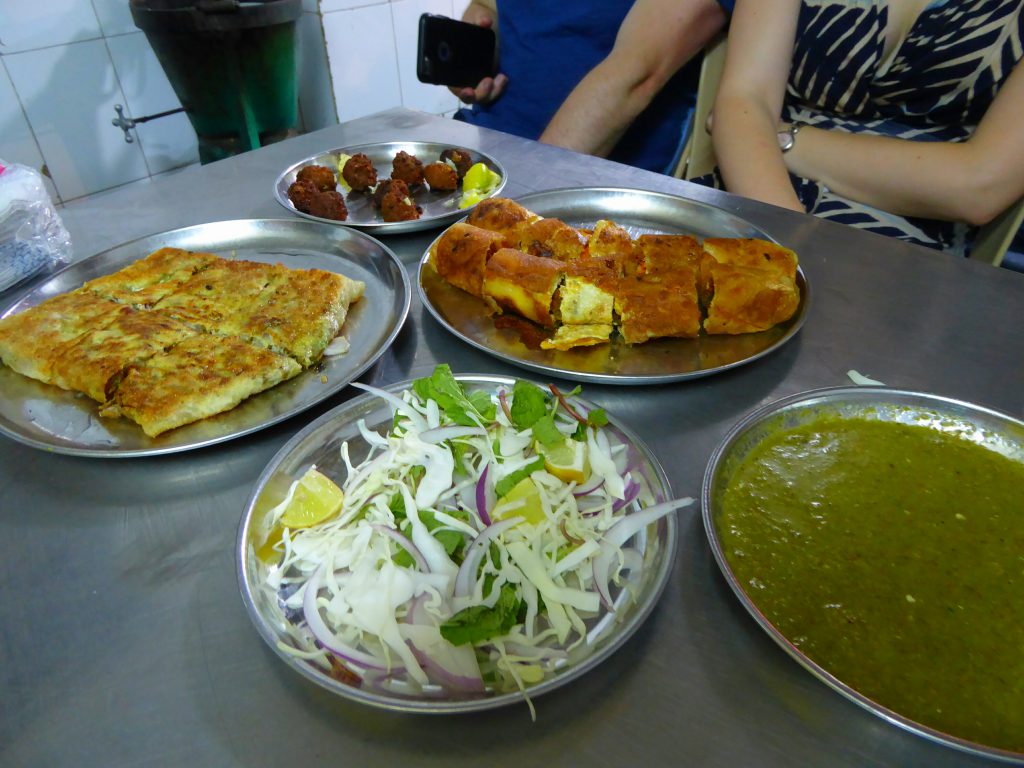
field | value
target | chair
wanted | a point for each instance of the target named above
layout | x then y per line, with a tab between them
698	158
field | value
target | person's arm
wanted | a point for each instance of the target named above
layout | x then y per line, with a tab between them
972	181
749	101
483	13
656	38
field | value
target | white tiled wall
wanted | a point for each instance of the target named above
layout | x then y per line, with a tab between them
64	64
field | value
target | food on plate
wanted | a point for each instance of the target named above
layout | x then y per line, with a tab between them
329	205
407	168
398	205
479	182
890	555
441	177
320	176
179	336
459	159
655	286
481	536
359	172
383	187
302	193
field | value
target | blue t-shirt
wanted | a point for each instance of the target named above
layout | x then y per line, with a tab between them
547	48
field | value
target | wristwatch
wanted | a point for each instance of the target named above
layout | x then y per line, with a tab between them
787	136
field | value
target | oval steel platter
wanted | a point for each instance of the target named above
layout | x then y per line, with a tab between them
439	208
657	361
319	443
53	419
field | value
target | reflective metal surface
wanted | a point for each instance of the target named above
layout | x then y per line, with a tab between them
319	444
439	208
654	362
983	426
53	419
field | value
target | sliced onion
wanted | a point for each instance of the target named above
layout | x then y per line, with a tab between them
591	485
452	666
398	403
622	532
484	502
504	405
327	638
466	577
630	494
440	434
339	346
405	543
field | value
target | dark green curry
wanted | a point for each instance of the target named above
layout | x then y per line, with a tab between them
893	556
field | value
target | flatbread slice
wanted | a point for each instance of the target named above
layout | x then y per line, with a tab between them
650	310
666	254
145	282
747	299
588	294
501	215
461	253
95	361
743	252
302	314
202	376
571	336
610	241
524	284
554	239
30	340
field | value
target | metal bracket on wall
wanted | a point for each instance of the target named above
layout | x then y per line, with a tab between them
127	123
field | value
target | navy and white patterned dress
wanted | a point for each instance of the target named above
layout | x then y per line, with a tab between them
936	86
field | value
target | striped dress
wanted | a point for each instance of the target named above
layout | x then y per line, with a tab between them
935	86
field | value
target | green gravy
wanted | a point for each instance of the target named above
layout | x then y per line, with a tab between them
893	556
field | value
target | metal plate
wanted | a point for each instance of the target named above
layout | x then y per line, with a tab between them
46	417
657	361
983	426
319	444
439	208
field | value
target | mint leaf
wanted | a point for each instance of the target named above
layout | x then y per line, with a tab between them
529	403
506	484
545	432
451	540
443	388
479	623
597	418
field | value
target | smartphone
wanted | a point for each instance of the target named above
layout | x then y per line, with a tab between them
455	53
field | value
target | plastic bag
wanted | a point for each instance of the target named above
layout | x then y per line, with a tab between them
33	239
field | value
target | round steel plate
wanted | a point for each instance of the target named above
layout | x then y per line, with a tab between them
319	444
439	208
657	361
53	419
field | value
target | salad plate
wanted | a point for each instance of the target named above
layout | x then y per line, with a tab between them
439	208
540	649
54	419
654	362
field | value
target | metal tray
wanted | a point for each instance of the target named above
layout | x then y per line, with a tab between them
319	444
657	361
992	429
53	419
439	208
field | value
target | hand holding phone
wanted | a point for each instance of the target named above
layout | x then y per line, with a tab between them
455	53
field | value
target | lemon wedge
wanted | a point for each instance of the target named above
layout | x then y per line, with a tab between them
315	499
342	159
477	184
566	460
522	501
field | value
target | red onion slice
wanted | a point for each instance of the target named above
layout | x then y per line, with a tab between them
328	639
475	552
452	666
484	502
629	495
405	543
622	532
591	485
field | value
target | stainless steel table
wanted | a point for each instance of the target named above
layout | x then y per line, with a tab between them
123	639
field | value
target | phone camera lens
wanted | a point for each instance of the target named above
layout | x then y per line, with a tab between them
444	51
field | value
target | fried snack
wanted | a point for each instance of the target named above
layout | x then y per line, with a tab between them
319	176
461	254
359	172
501	215
666	254
553	239
329	205
408	168
610	241
395	206
587	296
524	284
202	376
30	341
461	160
749	299
384	186
441	177
649	310
302	194
571	336
145	282
744	252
